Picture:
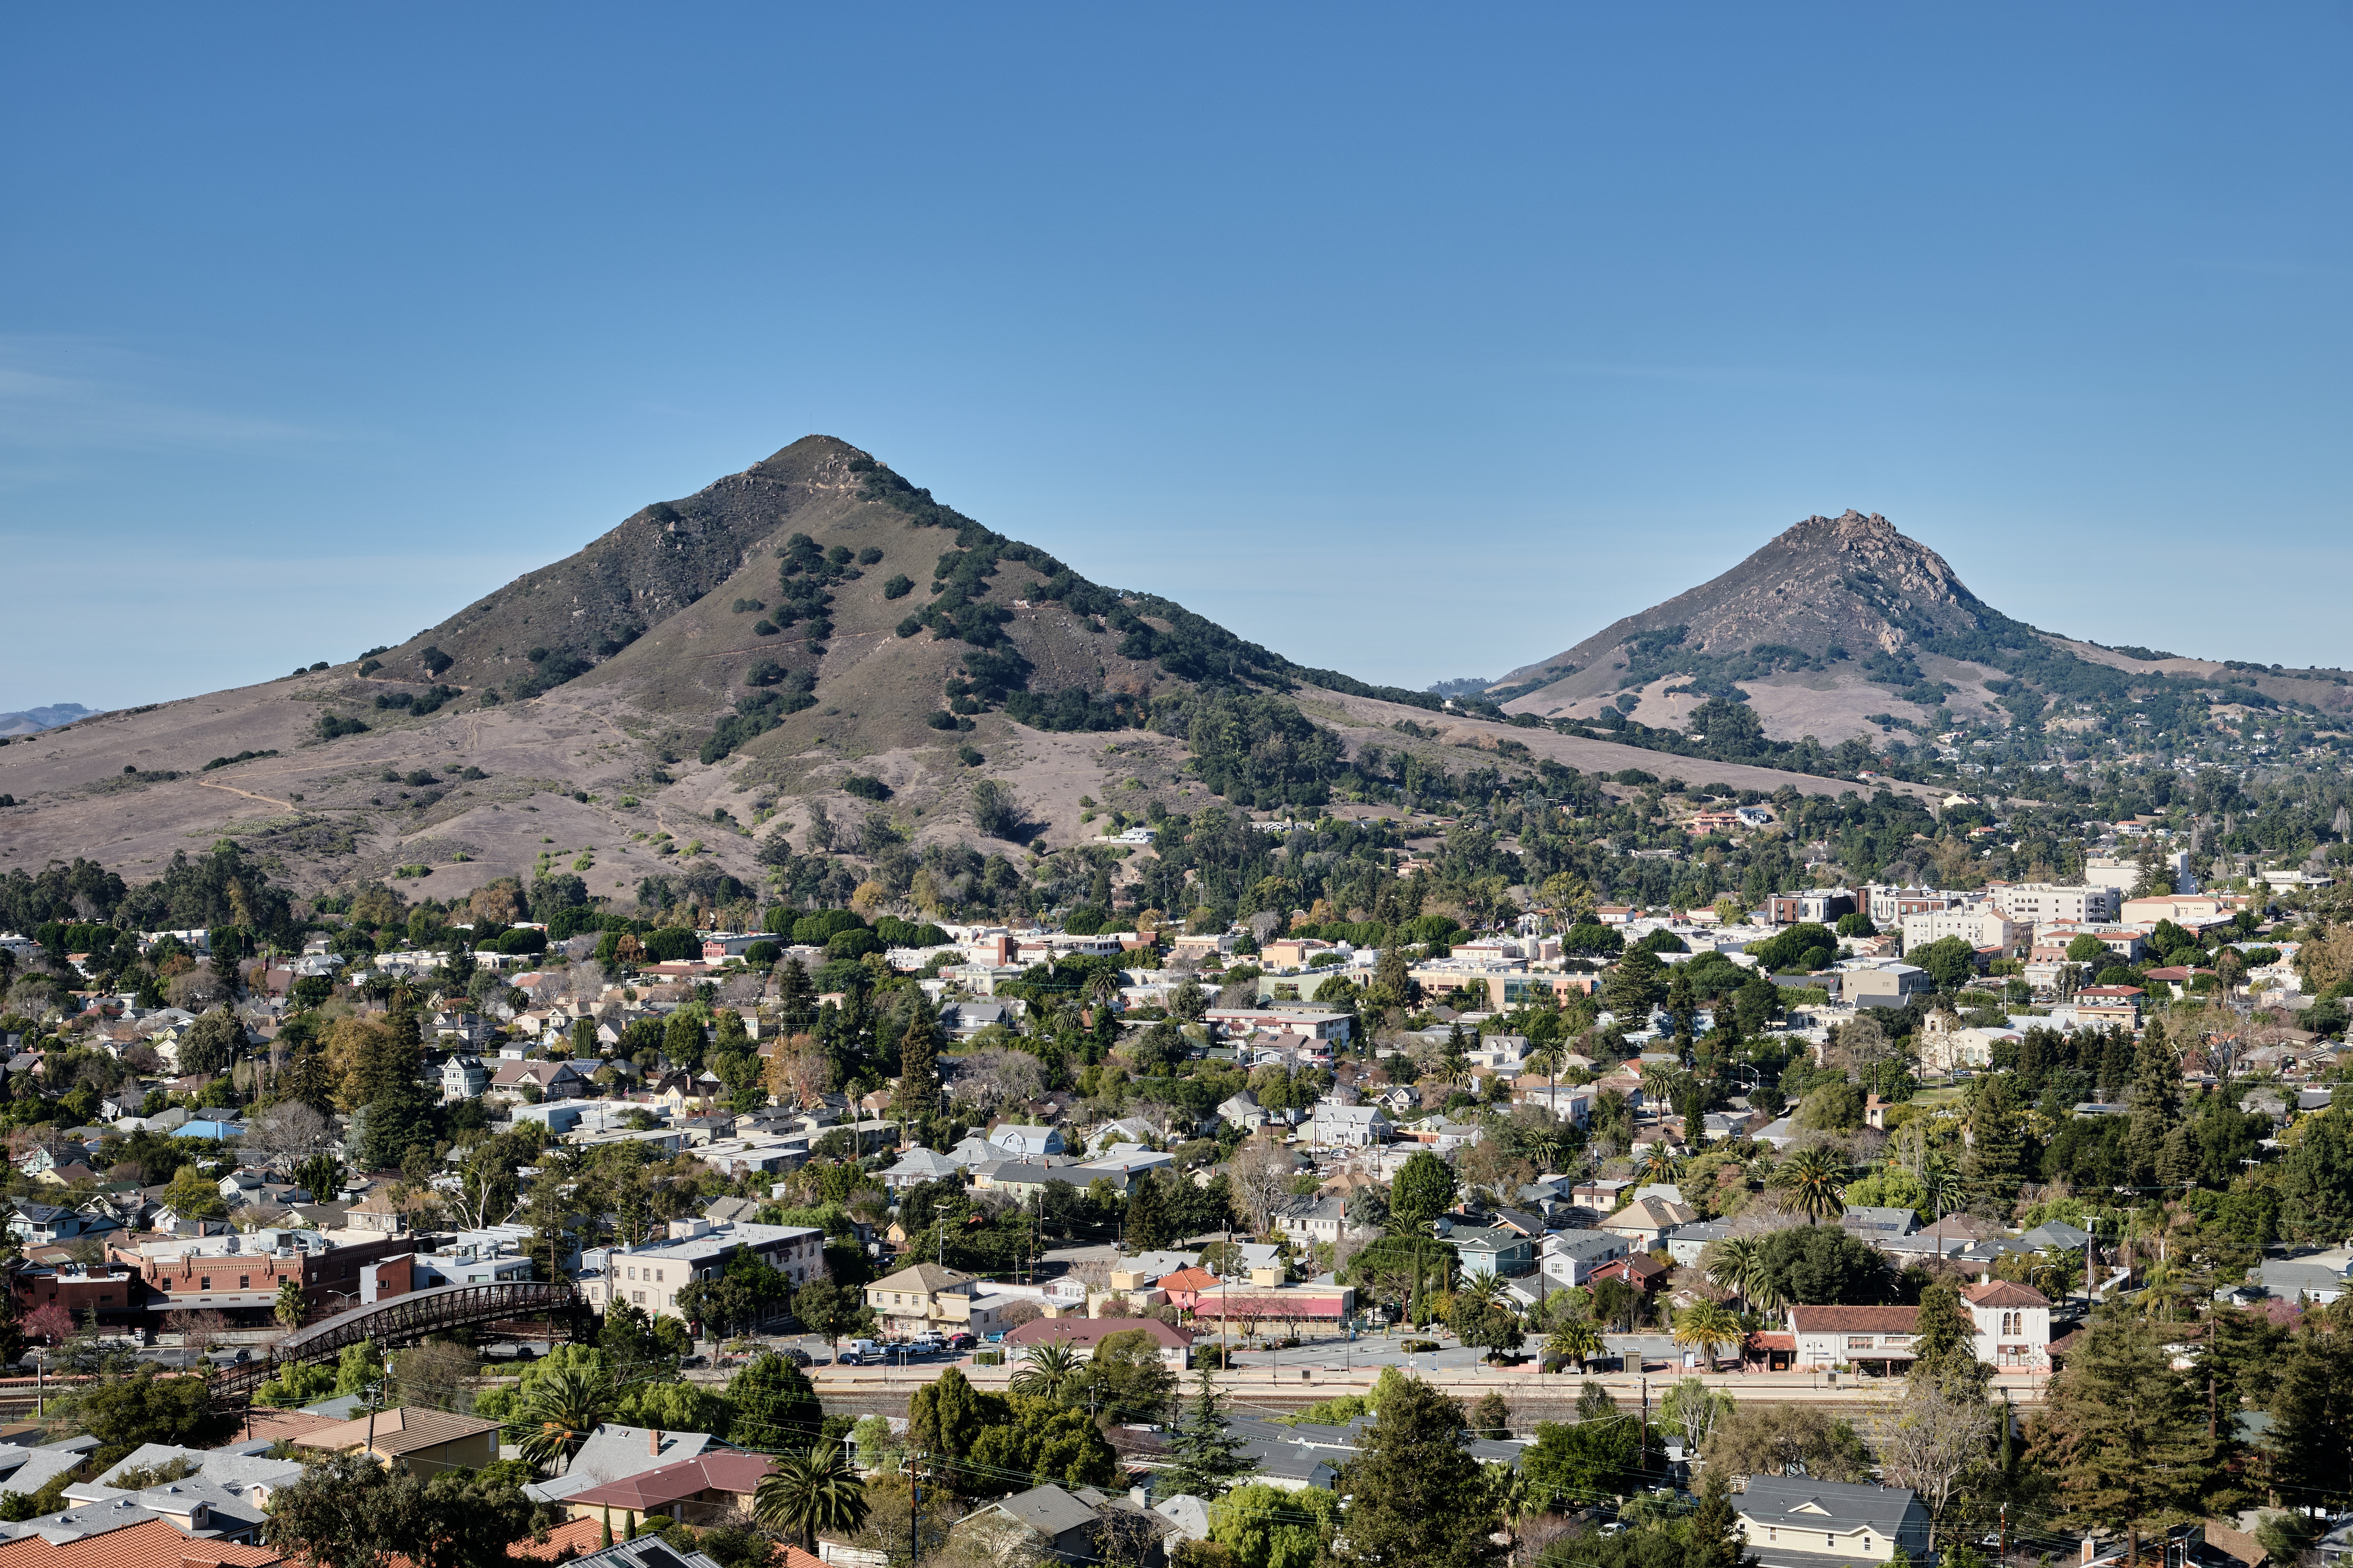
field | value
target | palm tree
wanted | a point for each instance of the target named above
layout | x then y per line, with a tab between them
1487	1290
1738	1264
1579	1340
1944	1192
1547	1060
559	1410
1048	1369
1102	987
290	1304
807	1492
1813	1177
1659	1086
1659	1161
1707	1324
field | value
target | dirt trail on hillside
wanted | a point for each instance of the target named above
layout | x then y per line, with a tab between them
266	800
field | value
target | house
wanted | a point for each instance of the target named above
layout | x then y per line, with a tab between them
1027	1140
615	1452
425	1443
464	1078
1685	1242
1083	1334
965	1020
1244	1112
1308	1220
1873	1223
1046	1521
1647	1220
1489	1249
703	1490
919	1165
1347	1126
921	1296
1570	1257
1798	1521
1876	1339
552	1080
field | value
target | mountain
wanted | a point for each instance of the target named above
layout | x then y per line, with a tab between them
1840	624
813	633
33	721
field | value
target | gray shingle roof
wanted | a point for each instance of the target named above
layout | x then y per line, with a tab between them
1794	1500
1048	1509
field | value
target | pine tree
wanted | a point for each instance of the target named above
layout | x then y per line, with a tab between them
2124	1435
1148	1227
1632	987
1682	1002
2155	1106
919	1073
1716	1540
399	1111
1995	1166
2115	1064
1207	1462
1944	1338
795	997
1419	1500
2309	1449
1391	986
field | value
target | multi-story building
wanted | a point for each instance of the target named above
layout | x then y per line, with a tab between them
2040	903
1887	906
1819	906
1980	925
651	1274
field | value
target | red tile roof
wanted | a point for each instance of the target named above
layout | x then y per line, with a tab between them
1854	1319
2005	1293
573	1538
737	1473
153	1544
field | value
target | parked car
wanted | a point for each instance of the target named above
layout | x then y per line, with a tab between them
961	1342
797	1356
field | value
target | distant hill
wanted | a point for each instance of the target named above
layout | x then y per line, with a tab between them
813	633
33	721
1835	626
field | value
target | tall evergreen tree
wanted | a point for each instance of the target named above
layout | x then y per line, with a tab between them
1417	1500
2124	1435
1207	1460
2308	1452
2116	1063
1633	986
1716	1540
398	1112
795	997
1147	1227
919	1074
2155	1106
1944	1339
1995	1166
1682	1002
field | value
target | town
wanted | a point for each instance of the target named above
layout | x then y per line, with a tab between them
1400	1194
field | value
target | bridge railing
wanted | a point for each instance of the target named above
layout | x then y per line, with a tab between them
402	1320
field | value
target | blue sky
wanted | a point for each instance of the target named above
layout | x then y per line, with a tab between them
1412	342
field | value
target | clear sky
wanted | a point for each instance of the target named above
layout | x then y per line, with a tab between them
1418	342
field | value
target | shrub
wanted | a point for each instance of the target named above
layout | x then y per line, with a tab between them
527	940
898	587
866	787
761	952
434	660
765	627
969	756
331	725
941	719
370	667
1418	1347
910	626
767	672
995	810
671	944
869	555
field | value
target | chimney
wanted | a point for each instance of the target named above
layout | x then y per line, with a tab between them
2090	1549
654	1450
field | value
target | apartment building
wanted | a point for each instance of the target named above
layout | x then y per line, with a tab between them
2039	903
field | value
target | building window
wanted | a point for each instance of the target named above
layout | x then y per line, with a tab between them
1858	1341
244	1281
206	1283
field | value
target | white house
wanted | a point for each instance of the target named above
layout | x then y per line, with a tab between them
1347	1126
464	1078
1795	1521
1028	1139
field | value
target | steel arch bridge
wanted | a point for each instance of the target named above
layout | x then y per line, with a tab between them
405	1321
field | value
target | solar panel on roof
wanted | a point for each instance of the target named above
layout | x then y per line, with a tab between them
658	1557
